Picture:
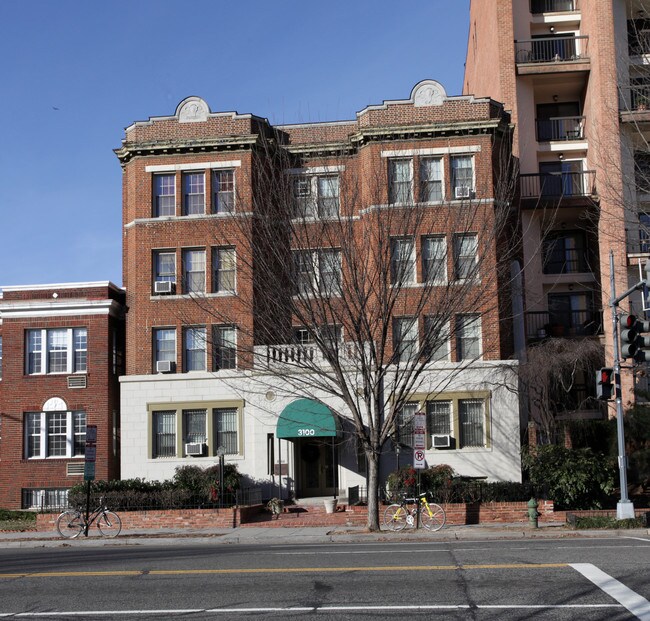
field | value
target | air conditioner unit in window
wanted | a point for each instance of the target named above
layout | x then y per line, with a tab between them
164	286
462	191
194	449
441	440
165	366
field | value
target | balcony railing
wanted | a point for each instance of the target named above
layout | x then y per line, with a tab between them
552	6
558	185
635	98
551	49
569	324
566	261
561	128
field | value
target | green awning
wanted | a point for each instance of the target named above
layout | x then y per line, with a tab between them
305	418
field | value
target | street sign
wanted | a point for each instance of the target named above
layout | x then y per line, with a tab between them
91	434
419	441
420	423
419	463
91	453
89	471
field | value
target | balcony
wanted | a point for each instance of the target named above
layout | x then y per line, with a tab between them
560	128
634	104
552	54
552	6
567	324
559	259
571	187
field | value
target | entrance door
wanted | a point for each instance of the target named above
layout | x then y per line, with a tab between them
316	467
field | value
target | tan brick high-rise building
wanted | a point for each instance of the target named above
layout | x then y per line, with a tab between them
574	75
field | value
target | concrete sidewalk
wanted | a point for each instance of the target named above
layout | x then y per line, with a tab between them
309	535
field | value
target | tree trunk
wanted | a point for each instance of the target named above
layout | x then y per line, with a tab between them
373	491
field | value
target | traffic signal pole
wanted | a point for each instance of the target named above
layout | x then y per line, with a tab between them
624	507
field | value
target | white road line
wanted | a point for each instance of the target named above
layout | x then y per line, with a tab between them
637	605
644	539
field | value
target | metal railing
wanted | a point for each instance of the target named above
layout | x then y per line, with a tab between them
558	185
635	98
552	6
565	261
560	128
551	49
570	324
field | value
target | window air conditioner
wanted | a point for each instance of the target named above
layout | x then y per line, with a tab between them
194	449
165	366
462	191
441	440
164	286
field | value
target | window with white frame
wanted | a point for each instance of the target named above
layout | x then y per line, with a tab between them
194	349
225	425
400	181
431	181
164	340
405	338
471	418
316	196
436	338
164	195
193	271
195	426
193	193
164	266
402	264
223	191
224	347
462	176
317	271
439	417
223	270
404	423
55	434
468	337
163	442
434	259
465	256
52	498
60	350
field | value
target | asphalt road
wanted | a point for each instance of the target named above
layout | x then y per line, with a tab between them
596	579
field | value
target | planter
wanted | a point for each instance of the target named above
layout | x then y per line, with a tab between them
330	505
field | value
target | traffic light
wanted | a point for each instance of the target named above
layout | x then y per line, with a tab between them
633	339
604	383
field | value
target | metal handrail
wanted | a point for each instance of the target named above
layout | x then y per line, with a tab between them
552	49
560	128
558	185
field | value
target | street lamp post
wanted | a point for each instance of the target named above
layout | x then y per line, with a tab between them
221	451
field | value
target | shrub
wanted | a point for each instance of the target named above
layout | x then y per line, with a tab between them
573	478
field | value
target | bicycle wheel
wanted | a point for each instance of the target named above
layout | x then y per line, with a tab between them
70	524
395	517
433	517
109	524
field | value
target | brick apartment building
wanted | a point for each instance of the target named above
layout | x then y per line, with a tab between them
61	353
206	294
574	75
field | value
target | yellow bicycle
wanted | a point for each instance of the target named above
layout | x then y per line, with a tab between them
399	515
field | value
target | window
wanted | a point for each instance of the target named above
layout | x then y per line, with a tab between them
224	347
400	180
45	498
55	434
164	187
61	350
468	337
164	345
462	176
194	426
434	260
223	270
164	267
405	423
316	196
331	334
436	338
317	271
439	417
564	252
193	271
405	338
302	336
225	430
471	418
164	434
465	256
194	349
223	191
431	179
644	246
402	261
193	193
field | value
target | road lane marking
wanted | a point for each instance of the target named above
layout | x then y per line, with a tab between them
278	570
635	603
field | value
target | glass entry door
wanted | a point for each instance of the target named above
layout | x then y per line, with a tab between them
316	467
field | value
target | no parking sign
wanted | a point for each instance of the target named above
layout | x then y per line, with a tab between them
418	459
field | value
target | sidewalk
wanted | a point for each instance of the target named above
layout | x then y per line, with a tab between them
310	535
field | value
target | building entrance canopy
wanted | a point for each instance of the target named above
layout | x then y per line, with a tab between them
305	418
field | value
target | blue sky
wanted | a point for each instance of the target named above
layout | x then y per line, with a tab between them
75	73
